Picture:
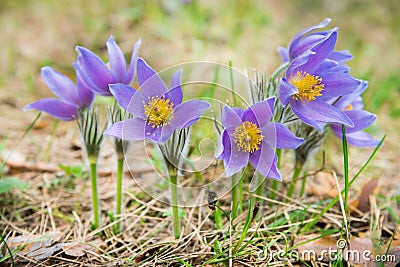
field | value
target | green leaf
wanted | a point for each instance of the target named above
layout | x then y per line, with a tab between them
76	170
168	213
8	183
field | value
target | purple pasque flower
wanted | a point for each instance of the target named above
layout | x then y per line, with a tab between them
157	111
98	74
250	136
71	98
306	40
352	105
311	80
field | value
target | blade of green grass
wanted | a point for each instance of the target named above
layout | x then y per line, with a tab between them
336	199
27	130
232	84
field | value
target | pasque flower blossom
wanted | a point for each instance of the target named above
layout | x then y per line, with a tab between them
98	74
312	79
157	111
71	98
352	105
306	40
249	135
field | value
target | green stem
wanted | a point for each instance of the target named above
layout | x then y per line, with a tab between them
259	192
236	195
95	196
218	217
249	219
297	170
240	185
346	168
173	176
118	193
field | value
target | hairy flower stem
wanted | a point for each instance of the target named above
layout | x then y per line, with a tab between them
297	171
95	196
118	193
237	202
218	217
260	182
173	176
346	168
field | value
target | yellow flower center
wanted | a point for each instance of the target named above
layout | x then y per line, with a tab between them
309	86
247	137
349	107
158	111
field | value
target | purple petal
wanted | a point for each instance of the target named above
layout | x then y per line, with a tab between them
361	119
130	129
175	93
150	83
260	113
86	95
358	103
224	147
96	70
286	90
338	84
188	113
230	119
129	75
298	64
316	113
163	134
326	66
308	42
239	112
279	136
235	159
136	105
360	138
284	53
321	51
60	85
263	159
85	79
295	41
117	59
123	94
56	108
274	172
345	101
340	56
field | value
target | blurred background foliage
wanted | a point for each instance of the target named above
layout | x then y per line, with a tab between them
45	32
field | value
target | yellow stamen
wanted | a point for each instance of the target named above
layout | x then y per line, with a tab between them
309	86
349	107
247	137
158	111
